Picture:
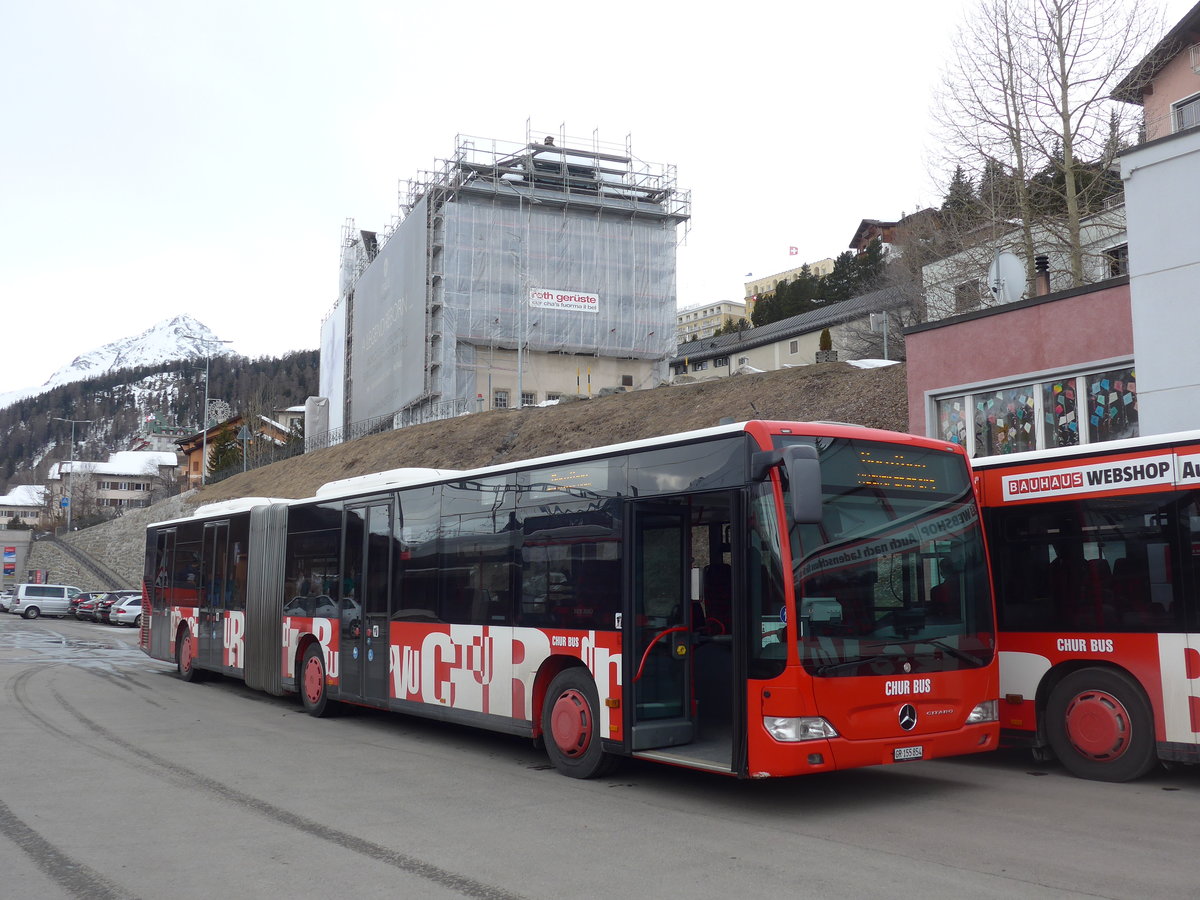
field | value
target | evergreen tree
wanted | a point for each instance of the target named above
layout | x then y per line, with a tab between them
840	284
868	268
224	451
961	209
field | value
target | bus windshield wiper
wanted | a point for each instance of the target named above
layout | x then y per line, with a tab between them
954	651
848	663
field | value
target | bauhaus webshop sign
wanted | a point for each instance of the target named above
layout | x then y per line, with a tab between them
546	298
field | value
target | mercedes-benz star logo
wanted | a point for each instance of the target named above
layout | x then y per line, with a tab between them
908	717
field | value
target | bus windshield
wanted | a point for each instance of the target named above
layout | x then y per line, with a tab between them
893	580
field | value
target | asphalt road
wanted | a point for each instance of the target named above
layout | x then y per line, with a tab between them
118	780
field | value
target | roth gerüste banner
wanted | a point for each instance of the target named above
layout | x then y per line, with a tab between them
547	298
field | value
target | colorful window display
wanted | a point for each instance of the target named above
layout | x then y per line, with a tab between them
1112	405
1004	421
952	420
1060	419
1059	412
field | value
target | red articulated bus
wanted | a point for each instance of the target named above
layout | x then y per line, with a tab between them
1096	554
759	599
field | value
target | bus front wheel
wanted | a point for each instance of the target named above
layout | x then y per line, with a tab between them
1100	726
185	656
571	727
314	689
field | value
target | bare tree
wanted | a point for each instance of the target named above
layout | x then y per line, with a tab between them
978	113
1080	50
1024	107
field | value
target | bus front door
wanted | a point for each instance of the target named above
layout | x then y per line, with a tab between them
658	628
214	587
367	546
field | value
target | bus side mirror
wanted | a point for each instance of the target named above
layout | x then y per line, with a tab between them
802	469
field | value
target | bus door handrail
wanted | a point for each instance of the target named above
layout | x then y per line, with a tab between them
658	637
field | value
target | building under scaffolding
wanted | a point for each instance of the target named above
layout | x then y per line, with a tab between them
515	273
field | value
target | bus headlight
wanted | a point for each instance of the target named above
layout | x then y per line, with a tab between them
803	728
987	711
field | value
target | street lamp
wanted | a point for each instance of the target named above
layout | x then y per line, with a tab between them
71	459
204	426
244	437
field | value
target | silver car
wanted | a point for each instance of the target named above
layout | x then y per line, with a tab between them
126	611
33	600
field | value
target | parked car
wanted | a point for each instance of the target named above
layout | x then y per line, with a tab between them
33	600
103	608
6	599
100	610
73	607
126	611
85	608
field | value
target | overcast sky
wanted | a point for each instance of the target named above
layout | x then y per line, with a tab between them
161	158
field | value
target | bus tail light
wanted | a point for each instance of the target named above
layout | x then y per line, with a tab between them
984	712
802	728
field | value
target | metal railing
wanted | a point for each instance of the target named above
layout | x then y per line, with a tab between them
264	455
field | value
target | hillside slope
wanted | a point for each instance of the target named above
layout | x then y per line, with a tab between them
832	392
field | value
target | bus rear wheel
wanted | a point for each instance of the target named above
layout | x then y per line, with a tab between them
314	689
571	728
1100	726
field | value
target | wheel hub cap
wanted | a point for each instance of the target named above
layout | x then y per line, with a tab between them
571	724
1098	725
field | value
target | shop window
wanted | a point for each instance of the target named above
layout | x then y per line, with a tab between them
1112	405
1004	421
1060	419
952	420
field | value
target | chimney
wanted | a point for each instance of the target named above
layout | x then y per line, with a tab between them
1041	276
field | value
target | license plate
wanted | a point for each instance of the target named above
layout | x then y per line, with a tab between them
907	753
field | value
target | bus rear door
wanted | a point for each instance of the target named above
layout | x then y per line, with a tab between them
215	585
367	574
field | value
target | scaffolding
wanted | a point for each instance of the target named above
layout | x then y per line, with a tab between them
480	238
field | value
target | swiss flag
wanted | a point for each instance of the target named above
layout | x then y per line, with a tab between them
793	251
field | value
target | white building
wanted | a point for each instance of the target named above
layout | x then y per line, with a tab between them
517	273
24	502
702	320
1162	200
959	284
794	341
127	479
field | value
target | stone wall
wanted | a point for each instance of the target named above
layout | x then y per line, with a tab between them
118	547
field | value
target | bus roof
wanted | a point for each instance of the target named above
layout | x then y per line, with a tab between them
413	477
1137	443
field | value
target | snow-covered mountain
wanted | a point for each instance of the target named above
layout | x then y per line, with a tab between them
182	337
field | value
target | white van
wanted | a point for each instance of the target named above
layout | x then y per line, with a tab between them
33	600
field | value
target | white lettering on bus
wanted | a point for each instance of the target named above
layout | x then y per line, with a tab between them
904	686
235	626
492	669
1084	645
